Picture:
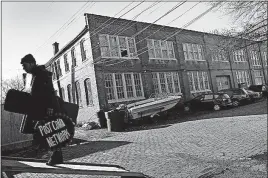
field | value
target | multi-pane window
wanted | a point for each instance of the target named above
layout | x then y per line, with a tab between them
69	92
58	68
264	54
88	92
129	85
242	77
239	55
198	81
166	82
63	93
66	64
73	54
84	50
117	46
258	77
192	51
219	55
109	85
119	86
123	86
53	71
159	49
78	93
255	58
155	82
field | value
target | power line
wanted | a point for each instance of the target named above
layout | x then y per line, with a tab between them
161	27
118	18
135	17
60	28
113	16
172	9
189	23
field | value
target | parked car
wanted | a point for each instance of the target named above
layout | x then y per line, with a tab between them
254	95
237	95
208	101
259	88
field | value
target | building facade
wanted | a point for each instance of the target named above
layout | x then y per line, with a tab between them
113	61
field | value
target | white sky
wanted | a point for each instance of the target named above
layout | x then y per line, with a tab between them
28	25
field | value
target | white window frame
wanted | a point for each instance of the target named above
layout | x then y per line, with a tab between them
258	77
126	98
239	55
130	55
255	58
264	58
190	49
173	74
160	42
200	74
66	63
242	76
218	54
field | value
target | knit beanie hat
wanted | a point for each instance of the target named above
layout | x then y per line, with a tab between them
28	59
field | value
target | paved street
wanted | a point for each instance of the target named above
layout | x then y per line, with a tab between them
223	147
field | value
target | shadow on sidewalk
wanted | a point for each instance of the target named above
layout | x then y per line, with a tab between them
90	147
79	148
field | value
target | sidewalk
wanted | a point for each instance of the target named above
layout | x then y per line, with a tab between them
220	148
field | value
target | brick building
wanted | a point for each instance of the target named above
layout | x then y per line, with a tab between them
114	61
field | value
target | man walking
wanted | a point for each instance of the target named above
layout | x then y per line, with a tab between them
43	96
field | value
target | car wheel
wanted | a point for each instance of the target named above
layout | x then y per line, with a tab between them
187	108
236	103
216	107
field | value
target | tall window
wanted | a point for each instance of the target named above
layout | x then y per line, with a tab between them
117	46
66	64
159	49
84	50
192	51
219	55
78	93
73	54
63	93
198	81
88	92
258	77
123	86
255	58
155	83
129	85
239	55
109	85
58	68
166	82
53	71
242	77
264	54
69	90
119	86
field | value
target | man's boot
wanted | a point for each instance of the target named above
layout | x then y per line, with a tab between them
56	158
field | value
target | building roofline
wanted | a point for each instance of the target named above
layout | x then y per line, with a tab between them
177	28
70	43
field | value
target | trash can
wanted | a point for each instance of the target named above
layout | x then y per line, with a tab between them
115	120
102	119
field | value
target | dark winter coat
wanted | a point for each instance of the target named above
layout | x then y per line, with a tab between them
43	97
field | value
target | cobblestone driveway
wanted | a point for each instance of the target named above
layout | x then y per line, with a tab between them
219	147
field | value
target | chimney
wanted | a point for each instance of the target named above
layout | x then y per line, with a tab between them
55	47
